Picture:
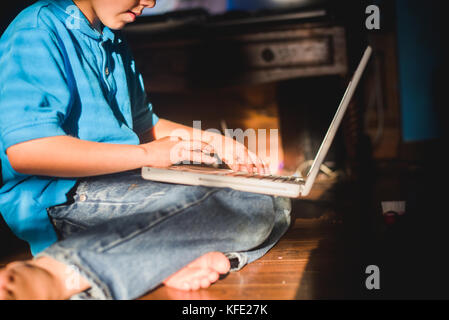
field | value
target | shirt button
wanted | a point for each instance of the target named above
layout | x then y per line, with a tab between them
83	197
106	71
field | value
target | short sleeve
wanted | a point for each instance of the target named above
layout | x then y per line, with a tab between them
144	117
34	94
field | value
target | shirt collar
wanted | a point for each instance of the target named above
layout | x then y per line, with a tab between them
75	19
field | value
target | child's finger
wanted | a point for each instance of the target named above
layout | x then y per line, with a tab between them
196	145
266	167
199	157
230	164
250	162
256	161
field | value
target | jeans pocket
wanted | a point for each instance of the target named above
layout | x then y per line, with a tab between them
57	212
61	210
64	227
52	212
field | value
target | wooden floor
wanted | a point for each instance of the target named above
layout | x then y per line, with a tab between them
325	253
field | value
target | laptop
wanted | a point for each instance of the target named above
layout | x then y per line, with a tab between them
286	186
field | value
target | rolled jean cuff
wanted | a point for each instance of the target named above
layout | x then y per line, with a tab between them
97	291
283	208
237	260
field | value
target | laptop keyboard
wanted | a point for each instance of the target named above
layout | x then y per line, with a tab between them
225	171
274	178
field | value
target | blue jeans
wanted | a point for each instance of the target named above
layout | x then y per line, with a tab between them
126	235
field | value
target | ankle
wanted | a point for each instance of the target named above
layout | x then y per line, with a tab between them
67	280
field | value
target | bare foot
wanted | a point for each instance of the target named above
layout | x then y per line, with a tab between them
47	279
200	273
39	279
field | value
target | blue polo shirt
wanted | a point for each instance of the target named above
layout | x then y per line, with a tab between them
59	76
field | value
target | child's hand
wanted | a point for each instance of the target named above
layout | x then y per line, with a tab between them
171	150
239	158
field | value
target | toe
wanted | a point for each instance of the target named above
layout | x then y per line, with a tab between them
205	283
195	285
220	263
224	266
185	286
213	276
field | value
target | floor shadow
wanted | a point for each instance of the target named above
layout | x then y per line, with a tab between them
410	253
333	269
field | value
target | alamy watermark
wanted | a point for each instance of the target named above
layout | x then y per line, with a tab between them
372	282
72	278
372	22
233	146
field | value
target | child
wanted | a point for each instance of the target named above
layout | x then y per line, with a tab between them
75	128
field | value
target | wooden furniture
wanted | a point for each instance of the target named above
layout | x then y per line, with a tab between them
203	59
213	58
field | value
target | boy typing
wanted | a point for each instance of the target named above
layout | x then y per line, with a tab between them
75	124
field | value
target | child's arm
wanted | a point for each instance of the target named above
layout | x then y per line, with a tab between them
65	156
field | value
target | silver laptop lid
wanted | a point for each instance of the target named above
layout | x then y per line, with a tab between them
330	135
